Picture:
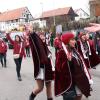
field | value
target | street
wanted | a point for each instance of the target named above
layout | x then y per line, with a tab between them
12	89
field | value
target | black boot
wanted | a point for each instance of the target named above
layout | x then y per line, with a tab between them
5	65
2	63
32	96
19	79
50	99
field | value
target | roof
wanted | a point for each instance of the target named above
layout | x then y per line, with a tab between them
12	14
80	9
58	12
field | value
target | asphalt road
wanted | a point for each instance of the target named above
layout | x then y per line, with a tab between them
12	89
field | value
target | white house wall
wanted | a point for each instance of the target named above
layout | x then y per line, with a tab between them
13	24
41	23
2	26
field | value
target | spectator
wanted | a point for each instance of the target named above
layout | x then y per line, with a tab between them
3	51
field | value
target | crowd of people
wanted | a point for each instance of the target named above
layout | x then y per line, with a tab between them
74	59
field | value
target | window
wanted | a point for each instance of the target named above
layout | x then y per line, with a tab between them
24	15
12	21
7	22
16	20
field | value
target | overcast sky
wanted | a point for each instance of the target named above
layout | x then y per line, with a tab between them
36	6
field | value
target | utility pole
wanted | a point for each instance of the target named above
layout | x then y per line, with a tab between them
54	14
42	12
54	20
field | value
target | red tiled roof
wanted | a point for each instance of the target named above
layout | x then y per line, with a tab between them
56	12
12	14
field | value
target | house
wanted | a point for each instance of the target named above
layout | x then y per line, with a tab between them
58	16
81	14
13	18
94	8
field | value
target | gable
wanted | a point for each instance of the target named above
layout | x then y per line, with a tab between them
12	14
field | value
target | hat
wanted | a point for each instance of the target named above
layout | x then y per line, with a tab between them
65	38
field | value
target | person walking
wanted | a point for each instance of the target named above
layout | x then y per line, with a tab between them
27	46
71	71
52	36
43	73
3	51
18	53
86	48
94	57
57	42
83	48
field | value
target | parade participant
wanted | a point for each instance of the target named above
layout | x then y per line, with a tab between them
98	45
47	38
87	49
51	38
93	57
27	46
84	48
71	71
3	51
42	66
90	39
95	28
18	53
57	42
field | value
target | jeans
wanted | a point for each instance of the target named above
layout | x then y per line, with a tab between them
18	62
70	95
3	59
